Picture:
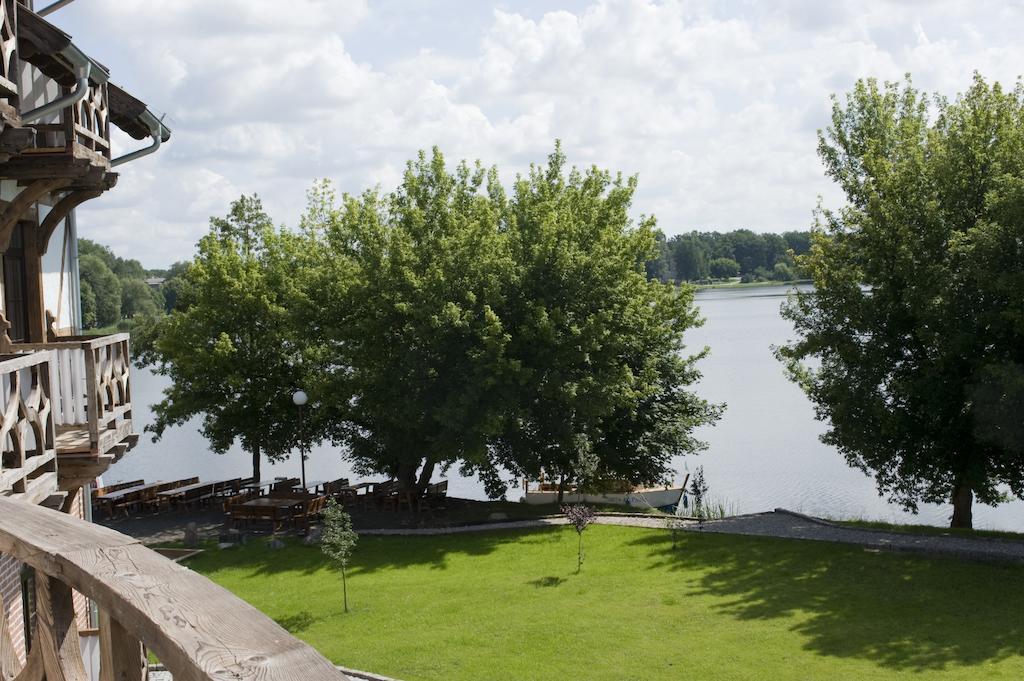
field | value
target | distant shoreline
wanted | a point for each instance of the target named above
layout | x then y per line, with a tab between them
750	284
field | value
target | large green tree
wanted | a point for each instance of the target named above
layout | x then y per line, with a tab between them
230	348
600	374
413	345
912	344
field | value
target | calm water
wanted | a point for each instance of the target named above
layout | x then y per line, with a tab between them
763	454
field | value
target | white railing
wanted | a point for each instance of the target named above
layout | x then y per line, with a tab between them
93	391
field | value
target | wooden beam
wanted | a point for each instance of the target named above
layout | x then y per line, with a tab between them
22	202
56	631
122	657
60	211
33	669
35	300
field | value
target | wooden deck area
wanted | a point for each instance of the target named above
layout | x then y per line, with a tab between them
74	441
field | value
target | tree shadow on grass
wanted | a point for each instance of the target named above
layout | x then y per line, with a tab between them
296	623
905	613
546	582
372	553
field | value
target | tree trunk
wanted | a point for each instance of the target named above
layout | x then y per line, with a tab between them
963	497
256	464
561	489
425	474
406	477
344	588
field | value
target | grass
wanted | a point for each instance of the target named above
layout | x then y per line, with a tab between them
507	605
930	530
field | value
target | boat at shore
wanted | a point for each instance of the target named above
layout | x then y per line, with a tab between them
666	497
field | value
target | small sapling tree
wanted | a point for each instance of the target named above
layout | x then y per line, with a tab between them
675	524
699	490
339	541
580	515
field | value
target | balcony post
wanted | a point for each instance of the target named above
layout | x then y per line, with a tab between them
93	404
56	632
122	657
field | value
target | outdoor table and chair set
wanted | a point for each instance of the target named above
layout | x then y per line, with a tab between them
279	501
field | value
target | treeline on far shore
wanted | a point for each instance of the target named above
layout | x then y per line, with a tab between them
116	290
703	257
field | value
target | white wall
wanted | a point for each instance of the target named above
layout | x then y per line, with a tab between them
36	90
58	287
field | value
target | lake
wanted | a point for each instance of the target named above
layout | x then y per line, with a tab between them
763	454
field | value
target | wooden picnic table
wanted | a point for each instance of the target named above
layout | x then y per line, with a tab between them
274	509
127	495
178	491
260	484
315	484
122	493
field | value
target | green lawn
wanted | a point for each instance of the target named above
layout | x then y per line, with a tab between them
507	605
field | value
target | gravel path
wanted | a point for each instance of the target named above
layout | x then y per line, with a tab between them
780	523
790	525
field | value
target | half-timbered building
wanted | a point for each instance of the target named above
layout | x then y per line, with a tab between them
78	601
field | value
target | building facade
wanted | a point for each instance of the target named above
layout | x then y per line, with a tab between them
81	602
66	398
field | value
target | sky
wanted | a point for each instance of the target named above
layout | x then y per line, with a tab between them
714	105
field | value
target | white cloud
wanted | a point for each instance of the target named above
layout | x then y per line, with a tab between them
715	105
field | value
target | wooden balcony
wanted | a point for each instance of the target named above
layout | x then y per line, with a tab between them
73	143
198	630
27	436
92	403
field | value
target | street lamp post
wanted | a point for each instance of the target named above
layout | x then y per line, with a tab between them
300	398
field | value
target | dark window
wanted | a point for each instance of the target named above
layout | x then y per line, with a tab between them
28	603
15	284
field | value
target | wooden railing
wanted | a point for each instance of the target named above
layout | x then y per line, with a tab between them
84	128
93	388
198	630
90	121
27	435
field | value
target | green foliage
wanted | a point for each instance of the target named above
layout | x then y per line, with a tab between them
105	287
114	288
458	325
782	272
231	348
600	372
689	260
338	541
173	281
917	320
408	308
88	304
139	299
699	492
723	268
687	257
